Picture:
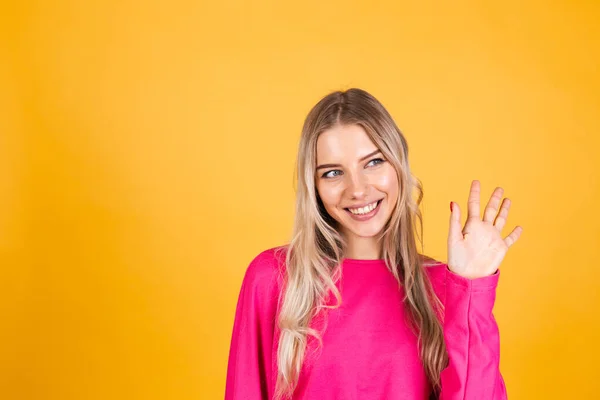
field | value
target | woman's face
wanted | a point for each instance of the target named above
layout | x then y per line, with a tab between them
358	187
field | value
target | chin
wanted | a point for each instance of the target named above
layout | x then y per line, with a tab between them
366	231
362	230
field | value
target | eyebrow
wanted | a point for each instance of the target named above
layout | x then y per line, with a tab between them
338	165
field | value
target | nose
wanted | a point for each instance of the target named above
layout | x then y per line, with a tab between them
357	186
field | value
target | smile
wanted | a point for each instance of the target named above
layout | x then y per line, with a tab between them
364	213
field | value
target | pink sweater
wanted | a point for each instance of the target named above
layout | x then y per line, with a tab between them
368	350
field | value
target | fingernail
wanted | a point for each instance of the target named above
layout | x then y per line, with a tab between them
450	206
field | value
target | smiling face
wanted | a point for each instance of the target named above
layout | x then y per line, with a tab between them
357	185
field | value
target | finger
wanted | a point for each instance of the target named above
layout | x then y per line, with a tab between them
491	209
454	233
503	215
514	236
473	202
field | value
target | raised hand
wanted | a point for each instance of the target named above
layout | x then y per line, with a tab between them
478	249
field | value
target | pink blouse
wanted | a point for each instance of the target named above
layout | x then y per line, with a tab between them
368	349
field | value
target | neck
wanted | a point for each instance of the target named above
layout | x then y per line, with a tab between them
363	248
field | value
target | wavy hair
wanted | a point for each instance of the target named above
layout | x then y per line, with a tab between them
316	249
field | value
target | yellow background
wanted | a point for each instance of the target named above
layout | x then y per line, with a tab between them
147	153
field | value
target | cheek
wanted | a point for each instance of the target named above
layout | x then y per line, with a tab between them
329	195
388	182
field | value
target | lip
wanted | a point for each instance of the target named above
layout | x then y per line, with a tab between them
363	205
368	216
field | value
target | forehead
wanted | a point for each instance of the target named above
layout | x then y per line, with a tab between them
343	142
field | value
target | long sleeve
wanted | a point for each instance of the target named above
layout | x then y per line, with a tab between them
472	339
250	365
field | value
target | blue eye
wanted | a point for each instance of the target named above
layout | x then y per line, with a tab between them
336	172
326	174
377	159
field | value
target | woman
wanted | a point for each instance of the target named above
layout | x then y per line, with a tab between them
350	309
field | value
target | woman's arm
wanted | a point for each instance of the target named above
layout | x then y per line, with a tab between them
472	339
250	365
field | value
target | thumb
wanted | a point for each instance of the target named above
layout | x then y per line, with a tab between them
454	233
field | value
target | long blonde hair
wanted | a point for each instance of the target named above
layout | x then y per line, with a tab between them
316	249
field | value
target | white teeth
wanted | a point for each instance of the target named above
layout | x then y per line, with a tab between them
363	210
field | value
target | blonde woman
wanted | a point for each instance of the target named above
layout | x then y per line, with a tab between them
350	309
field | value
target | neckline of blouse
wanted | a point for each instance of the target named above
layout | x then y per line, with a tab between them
356	261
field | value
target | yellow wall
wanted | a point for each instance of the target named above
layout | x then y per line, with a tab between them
147	153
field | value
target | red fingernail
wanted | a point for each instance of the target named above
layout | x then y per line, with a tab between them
450	206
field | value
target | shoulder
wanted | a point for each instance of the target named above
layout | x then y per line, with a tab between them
265	270
435	270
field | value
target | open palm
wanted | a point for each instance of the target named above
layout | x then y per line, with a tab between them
478	249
